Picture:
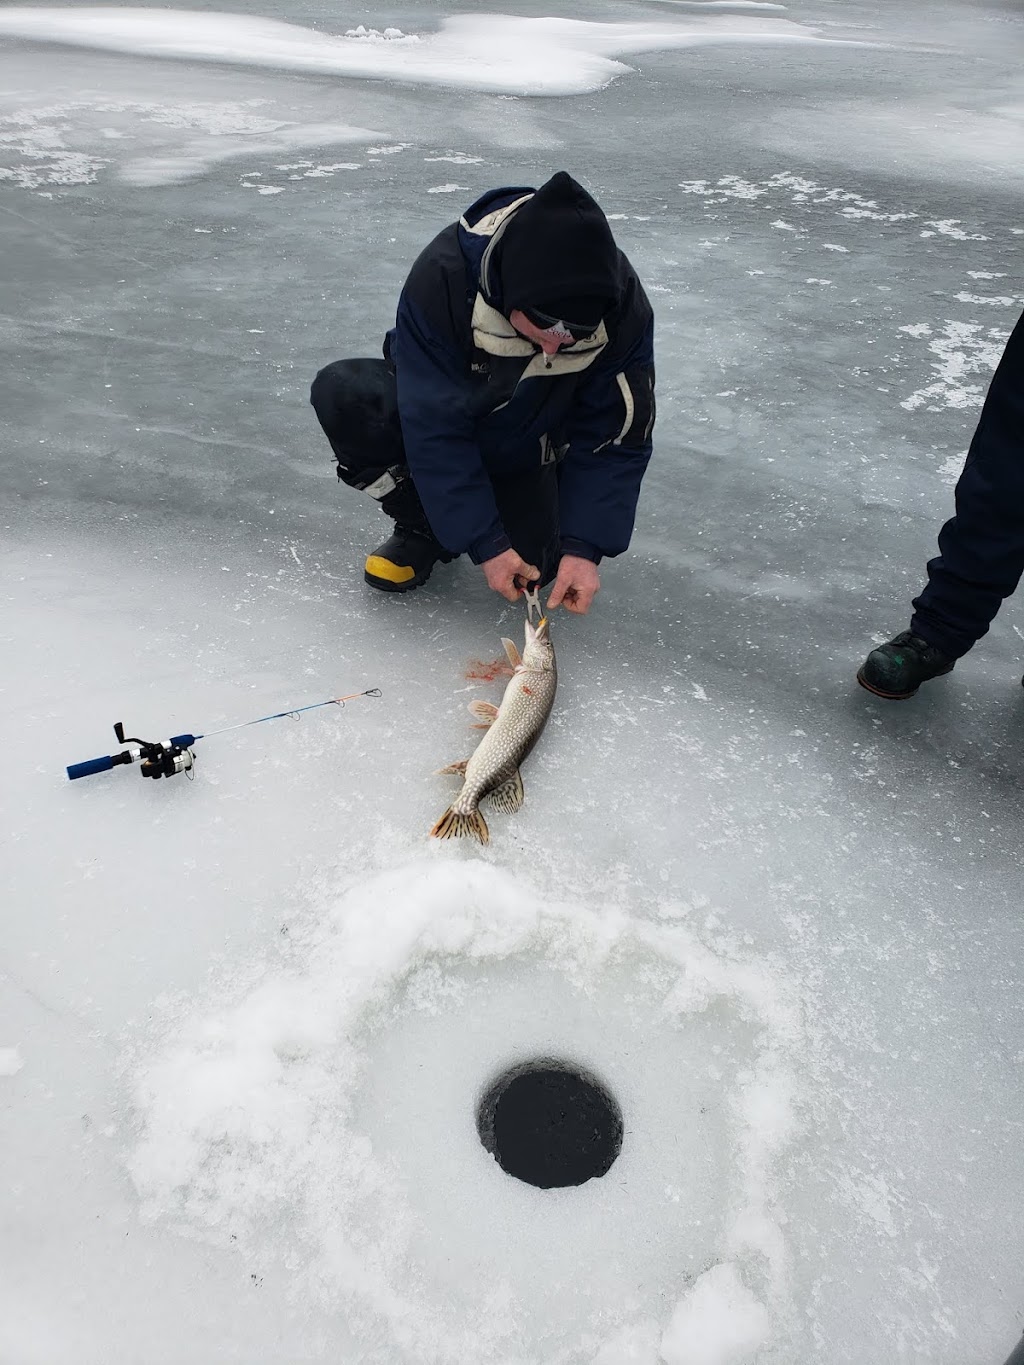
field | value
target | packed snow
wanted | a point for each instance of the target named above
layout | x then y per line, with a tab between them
488	52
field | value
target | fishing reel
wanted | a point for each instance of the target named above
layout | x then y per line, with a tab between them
159	758
156	758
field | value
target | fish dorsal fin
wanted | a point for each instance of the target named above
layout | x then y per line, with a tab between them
514	657
509	796
458	769
484	711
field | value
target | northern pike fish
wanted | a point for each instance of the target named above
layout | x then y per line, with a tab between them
513	728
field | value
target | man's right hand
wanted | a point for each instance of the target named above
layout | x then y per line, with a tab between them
502	571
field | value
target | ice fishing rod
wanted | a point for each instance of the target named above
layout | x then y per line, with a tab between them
165	757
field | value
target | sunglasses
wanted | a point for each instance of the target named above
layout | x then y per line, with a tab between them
547	323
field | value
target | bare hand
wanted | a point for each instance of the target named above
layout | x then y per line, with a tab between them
502	571
576	585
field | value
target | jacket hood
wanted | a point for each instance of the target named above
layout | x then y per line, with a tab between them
558	256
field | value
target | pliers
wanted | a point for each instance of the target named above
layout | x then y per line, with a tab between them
532	597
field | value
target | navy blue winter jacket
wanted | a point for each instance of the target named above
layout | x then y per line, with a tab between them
477	399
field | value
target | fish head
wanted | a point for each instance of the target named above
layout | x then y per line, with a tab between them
538	650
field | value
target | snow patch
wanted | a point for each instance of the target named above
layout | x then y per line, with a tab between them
963	350
41	154
10	1061
489	52
376	35
190	140
992	300
720	1322
950	227
798	190
949	472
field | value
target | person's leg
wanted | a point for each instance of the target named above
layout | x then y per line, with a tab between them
356	403
981	548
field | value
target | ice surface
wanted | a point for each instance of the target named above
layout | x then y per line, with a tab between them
244	1021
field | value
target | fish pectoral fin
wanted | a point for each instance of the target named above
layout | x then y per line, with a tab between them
484	711
514	657
509	796
458	769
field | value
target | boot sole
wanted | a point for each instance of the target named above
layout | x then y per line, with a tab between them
383	585
889	696
899	696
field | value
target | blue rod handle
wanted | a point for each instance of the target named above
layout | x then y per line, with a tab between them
92	765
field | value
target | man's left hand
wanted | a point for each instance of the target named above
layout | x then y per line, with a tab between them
576	585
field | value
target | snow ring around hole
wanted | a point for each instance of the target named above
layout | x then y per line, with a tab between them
323	1120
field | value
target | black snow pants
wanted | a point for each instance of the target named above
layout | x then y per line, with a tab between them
356	402
981	548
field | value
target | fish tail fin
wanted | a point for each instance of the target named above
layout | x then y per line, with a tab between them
455	825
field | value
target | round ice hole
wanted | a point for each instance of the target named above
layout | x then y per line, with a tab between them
550	1124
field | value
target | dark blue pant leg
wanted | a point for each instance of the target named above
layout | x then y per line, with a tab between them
981	549
356	403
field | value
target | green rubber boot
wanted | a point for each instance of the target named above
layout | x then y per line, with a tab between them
897	669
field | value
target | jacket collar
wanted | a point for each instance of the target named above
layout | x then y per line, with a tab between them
493	333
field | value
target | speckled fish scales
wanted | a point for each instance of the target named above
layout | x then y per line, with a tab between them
513	729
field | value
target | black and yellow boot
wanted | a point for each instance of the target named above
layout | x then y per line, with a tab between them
897	669
405	560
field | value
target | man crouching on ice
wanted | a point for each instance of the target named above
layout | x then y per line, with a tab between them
511	416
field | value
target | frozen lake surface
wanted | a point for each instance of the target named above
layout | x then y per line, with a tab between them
245	1022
